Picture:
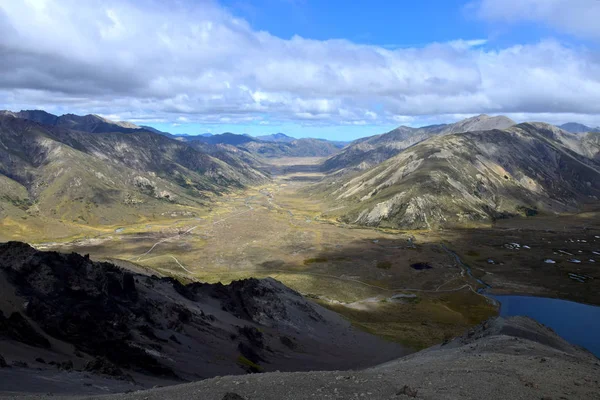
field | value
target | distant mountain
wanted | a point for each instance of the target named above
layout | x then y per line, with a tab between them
87	123
367	152
473	177
297	148
106	178
575	127
154	130
276	147
223	138
277	137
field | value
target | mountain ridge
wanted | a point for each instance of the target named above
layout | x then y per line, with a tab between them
105	178
91	123
575	127
370	151
471	177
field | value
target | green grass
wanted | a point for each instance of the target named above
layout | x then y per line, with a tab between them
423	323
315	260
247	363
384	265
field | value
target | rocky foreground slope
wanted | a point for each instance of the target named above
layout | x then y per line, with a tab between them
70	325
514	358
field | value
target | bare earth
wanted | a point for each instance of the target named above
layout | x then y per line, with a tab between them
515	358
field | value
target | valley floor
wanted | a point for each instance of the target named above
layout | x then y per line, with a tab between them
415	287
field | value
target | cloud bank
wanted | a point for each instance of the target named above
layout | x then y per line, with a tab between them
195	62
577	17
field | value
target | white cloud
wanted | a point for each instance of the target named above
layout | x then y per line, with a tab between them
194	62
578	17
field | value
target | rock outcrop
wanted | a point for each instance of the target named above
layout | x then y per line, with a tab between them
121	323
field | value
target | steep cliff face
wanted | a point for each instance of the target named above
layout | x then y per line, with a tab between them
471	177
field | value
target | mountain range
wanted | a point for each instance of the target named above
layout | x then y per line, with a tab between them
87	123
92	170
106	178
575	127
276	137
278	145
370	151
464	178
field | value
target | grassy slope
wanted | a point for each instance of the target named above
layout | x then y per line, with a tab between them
467	179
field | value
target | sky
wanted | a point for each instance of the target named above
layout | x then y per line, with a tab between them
308	68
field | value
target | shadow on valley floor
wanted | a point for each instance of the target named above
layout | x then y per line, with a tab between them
540	259
385	290
379	285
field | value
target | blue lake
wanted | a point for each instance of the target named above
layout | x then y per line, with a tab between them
577	323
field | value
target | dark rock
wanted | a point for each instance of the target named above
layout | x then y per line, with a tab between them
40	360
254	336
232	396
21	364
250	353
72	298
16	327
66	365
104	367
149	333
3	363
129	285
407	391
287	342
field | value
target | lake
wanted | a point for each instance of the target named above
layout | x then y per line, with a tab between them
577	323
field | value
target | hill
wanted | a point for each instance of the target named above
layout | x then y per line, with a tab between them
591	145
274	146
472	177
277	137
114	325
297	148
107	178
223	138
367	152
87	123
575	127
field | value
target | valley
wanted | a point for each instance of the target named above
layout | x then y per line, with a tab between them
206	256
294	200
407	286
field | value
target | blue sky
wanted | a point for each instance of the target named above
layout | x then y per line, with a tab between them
331	69
401	23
